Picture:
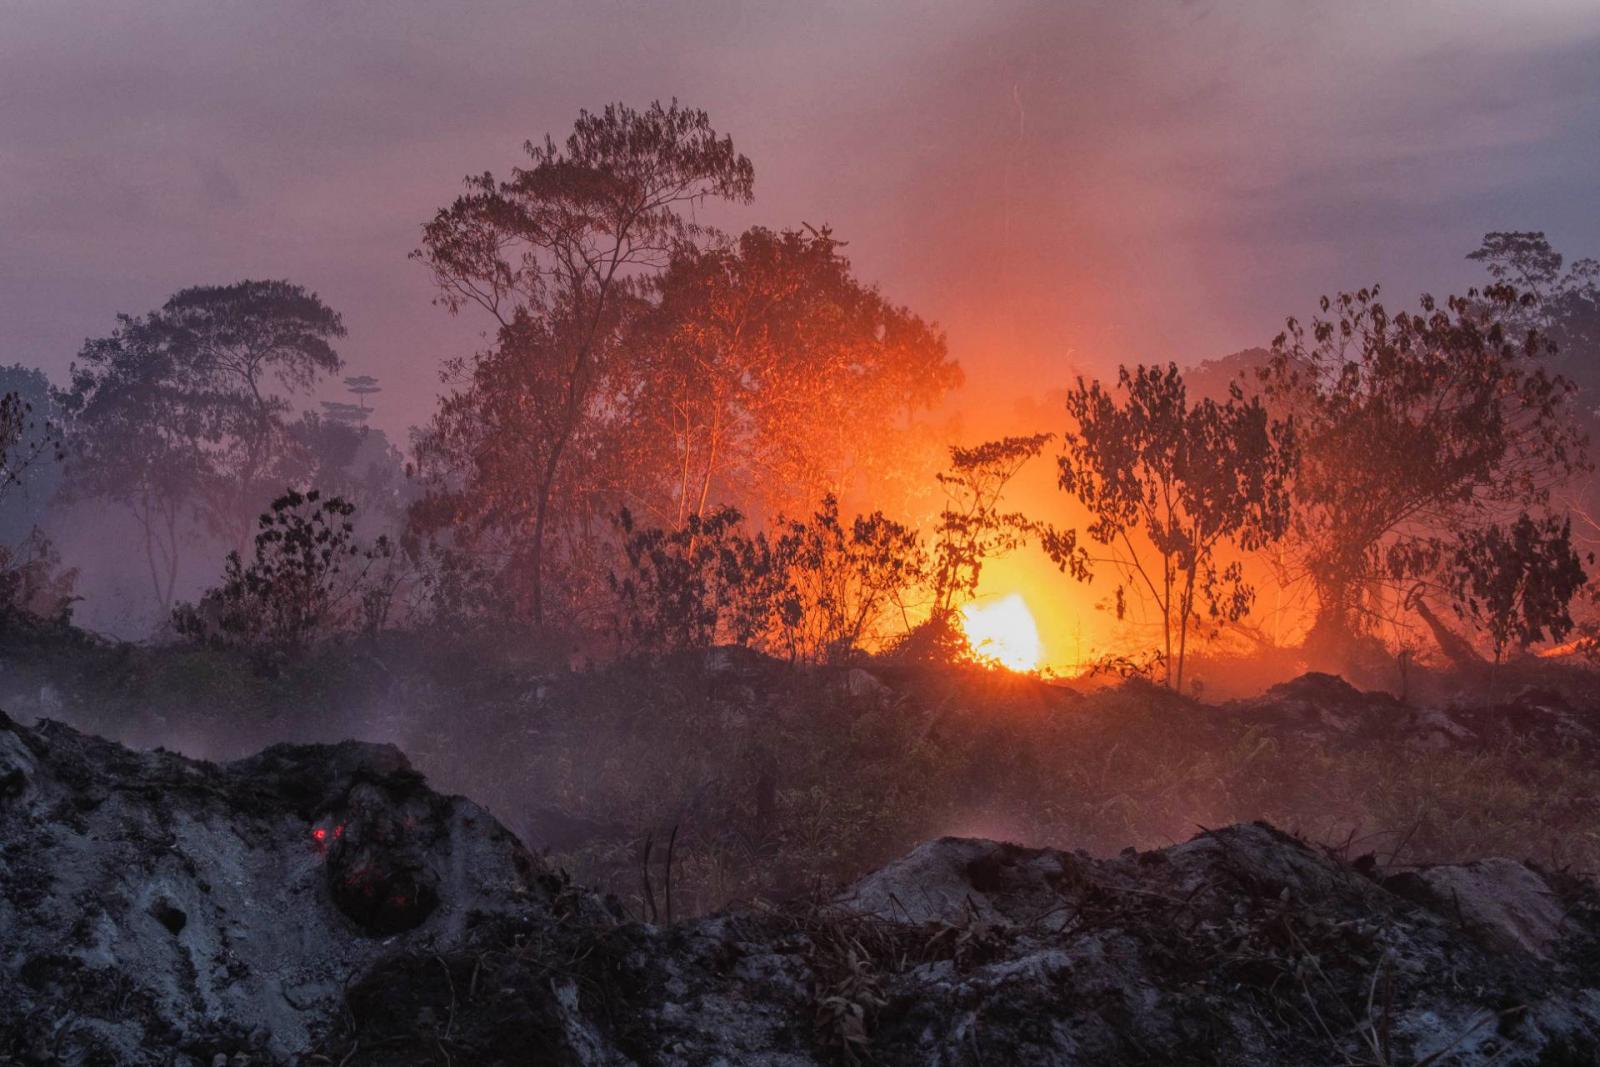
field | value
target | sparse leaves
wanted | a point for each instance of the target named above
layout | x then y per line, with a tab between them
307	580
1166	484
1516	582
972	528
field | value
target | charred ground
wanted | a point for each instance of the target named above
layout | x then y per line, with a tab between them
162	910
767	781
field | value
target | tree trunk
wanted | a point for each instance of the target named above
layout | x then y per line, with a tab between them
538	557
1457	649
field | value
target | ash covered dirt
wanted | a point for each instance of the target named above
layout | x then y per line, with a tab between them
319	904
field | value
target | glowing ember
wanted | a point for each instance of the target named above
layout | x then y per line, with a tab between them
1003	631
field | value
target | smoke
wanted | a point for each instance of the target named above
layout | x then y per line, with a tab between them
1057	184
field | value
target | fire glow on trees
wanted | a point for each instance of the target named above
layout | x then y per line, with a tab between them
1003	631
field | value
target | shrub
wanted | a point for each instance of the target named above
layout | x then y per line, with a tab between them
704	584
34	587
842	584
308	580
817	590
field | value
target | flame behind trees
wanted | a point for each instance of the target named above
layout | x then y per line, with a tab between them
639	361
770	375
972	529
1166	484
815	589
553	255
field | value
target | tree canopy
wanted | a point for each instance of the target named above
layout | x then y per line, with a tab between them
1167	483
1417	427
181	413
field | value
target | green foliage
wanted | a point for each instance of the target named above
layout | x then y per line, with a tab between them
1167	484
308	580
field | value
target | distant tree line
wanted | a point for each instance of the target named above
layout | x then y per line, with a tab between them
661	432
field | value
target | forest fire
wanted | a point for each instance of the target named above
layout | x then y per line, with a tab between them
882	594
1003	631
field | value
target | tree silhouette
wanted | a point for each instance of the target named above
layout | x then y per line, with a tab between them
972	529
553	256
181	412
1167	484
1417	428
306	579
1516	582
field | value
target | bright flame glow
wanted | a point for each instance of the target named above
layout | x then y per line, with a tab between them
1004	631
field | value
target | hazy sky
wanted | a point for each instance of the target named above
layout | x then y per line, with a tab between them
1058	184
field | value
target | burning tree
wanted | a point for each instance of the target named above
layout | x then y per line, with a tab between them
554	256
772	375
1167	484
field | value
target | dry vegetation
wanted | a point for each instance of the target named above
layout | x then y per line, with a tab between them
765	781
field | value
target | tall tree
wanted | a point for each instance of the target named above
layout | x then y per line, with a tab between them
1418	427
553	255
247	348
1565	307
1167	484
180	413
774	377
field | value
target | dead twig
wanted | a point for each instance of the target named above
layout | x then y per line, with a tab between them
649	891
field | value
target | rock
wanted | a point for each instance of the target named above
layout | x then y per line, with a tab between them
246	914
954	879
861	683
184	898
1507	905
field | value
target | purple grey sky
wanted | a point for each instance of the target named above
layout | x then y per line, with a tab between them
1060	184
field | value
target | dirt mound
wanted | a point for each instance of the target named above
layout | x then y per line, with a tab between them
1326	706
319	904
152	905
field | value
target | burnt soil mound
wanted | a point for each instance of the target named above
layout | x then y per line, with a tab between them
319	904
